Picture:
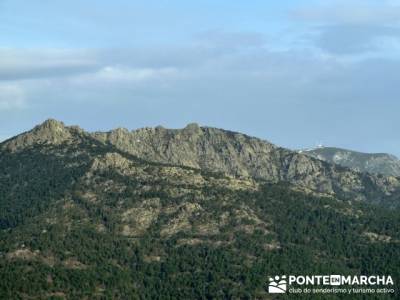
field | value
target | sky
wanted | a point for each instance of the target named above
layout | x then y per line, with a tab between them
295	73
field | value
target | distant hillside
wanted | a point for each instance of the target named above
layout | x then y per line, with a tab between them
378	163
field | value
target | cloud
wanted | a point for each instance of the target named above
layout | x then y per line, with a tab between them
17	64
351	27
366	12
257	73
237	65
125	74
230	40
11	97
353	39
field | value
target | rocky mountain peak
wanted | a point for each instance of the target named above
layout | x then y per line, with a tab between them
119	132
50	127
52	124
192	128
50	131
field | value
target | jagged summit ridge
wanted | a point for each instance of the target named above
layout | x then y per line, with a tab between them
52	124
193	146
239	155
231	153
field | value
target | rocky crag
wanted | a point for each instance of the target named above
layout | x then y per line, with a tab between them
376	163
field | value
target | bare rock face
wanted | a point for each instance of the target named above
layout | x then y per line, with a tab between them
49	132
377	163
199	147
242	156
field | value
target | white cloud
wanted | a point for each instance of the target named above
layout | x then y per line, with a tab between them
125	75
121	74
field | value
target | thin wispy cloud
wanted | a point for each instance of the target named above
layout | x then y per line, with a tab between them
121	76
230	40
366	12
19	64
351	27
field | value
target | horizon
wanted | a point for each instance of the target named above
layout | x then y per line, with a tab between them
317	145
292	73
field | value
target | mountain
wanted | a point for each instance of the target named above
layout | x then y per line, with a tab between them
377	163
231	153
181	214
